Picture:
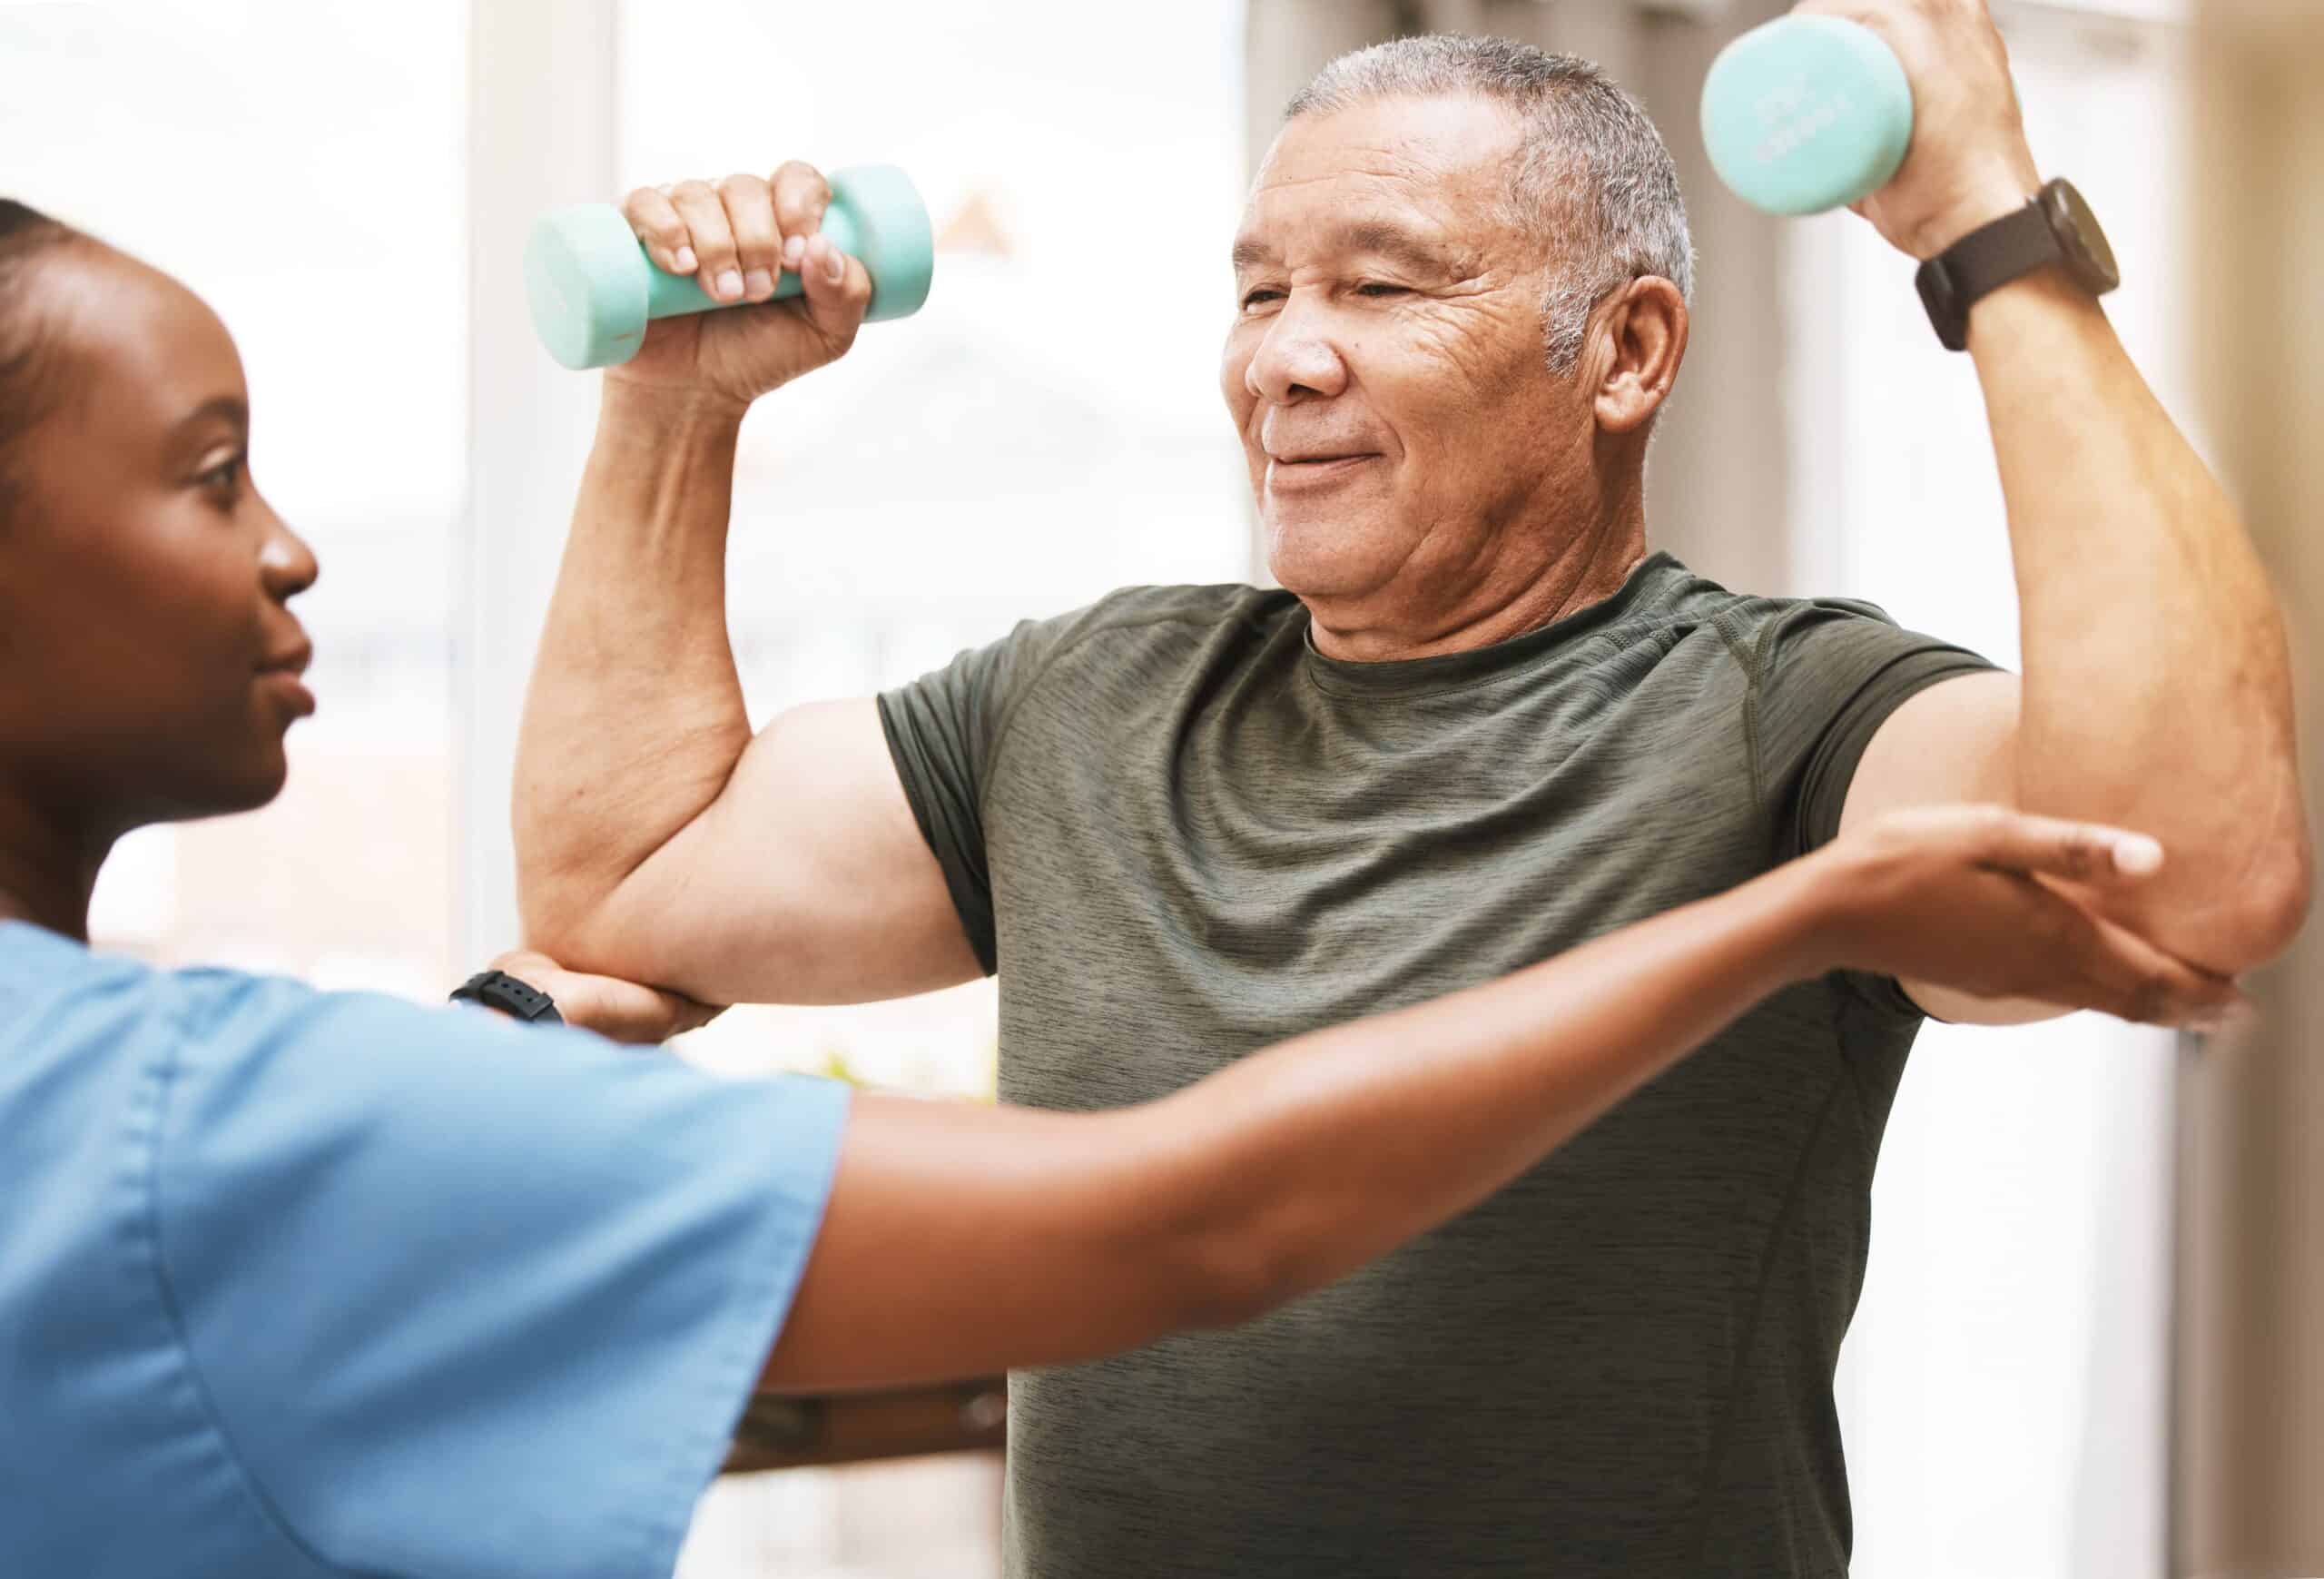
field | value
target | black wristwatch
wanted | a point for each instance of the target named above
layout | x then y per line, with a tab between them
2055	226
517	999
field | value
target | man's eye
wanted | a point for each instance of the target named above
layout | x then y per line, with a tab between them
1264	293
1380	288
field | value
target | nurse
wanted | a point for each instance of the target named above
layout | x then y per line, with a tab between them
296	1283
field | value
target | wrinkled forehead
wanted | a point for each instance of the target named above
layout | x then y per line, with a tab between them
1431	172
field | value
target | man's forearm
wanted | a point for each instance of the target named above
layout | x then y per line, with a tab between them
634	717
2157	692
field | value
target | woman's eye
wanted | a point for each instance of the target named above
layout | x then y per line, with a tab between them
1262	294
224	479
1379	288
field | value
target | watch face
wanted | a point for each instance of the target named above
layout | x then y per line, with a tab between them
2087	255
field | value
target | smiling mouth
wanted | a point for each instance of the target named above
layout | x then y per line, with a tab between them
1311	471
1312	467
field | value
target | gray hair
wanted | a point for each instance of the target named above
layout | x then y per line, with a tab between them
1591	180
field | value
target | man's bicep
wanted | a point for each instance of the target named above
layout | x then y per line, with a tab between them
1953	741
807	881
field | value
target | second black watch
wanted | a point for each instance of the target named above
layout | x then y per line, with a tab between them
517	999
2055	226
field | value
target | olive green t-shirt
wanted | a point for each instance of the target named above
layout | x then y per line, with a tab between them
1180	833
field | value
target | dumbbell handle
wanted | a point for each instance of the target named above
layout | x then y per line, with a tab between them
593	287
671	295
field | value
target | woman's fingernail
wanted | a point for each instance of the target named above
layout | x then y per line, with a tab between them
2136	855
794	251
687	261
730	284
758	282
836	270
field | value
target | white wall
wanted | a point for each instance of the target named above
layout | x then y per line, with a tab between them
542	116
301	169
2251	1309
2004	1389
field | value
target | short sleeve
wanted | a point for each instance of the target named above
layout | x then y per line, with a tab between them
944	731
470	1298
1825	674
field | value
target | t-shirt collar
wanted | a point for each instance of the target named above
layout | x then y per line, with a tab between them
1456	671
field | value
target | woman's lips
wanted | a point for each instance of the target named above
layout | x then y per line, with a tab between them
285	685
280	676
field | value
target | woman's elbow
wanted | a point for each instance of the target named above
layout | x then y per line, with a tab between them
1231	1276
1227	1227
1213	1249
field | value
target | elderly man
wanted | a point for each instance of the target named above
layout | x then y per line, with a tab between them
1480	723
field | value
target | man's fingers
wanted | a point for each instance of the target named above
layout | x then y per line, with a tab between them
800	196
720	272
758	242
838	291
655	220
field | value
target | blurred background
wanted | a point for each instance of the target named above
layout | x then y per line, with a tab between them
2092	1340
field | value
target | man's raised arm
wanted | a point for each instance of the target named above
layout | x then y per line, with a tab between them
2157	692
656	840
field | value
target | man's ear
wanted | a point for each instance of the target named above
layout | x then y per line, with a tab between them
1636	347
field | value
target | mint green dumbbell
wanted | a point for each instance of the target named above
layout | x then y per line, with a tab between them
594	289
1806	113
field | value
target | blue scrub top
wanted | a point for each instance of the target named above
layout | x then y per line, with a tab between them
296	1283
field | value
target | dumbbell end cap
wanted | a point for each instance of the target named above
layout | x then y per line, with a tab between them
586	284
1806	113
894	239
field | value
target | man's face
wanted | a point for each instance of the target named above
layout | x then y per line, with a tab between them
1385	368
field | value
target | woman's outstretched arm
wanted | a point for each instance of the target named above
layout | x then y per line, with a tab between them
962	1239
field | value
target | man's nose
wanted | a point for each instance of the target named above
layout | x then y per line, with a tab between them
1295	360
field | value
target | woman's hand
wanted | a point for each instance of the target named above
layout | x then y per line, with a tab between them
1967	897
619	1009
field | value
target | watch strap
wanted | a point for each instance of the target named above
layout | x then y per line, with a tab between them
502	992
1982	263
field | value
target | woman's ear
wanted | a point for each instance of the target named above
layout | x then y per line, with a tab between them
1641	339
